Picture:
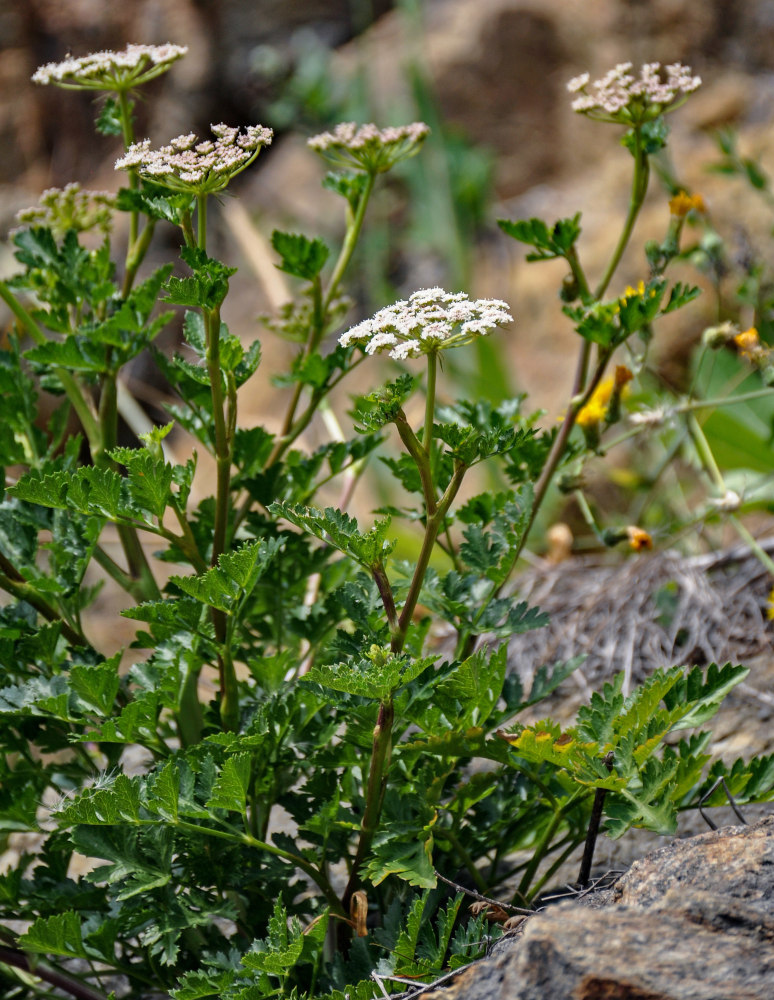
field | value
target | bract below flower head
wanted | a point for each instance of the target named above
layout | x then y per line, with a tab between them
198	168
430	320
369	148
622	98
112	71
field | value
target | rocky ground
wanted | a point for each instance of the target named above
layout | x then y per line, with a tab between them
693	920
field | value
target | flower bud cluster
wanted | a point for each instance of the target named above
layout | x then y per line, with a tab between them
430	320
113	71
197	167
369	148
621	97
71	208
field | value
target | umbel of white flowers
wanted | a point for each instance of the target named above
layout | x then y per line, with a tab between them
430	320
623	98
201	167
116	71
366	147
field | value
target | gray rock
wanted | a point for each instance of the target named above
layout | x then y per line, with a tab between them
691	921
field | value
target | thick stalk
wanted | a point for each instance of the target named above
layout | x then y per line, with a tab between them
375	789
229	695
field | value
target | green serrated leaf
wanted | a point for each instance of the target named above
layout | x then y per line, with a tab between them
233	579
377	677
340	530
232	784
301	257
399	849
56	935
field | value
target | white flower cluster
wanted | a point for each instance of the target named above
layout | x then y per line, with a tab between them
621	97
198	167
366	147
430	320
108	70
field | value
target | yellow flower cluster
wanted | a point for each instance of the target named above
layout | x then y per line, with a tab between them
595	411
683	203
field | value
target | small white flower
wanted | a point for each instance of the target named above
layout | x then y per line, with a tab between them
430	320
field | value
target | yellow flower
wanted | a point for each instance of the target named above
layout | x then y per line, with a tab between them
639	539
630	292
747	341
683	203
595	411
770	606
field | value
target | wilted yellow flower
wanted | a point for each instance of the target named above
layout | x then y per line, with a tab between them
683	203
639	539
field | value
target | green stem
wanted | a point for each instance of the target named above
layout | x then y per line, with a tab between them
12	583
127	129
700	404
55	977
377	784
432	373
229	694
467	860
350	241
222	444
421	459
705	453
263	845
320	306
136	559
186	224
136	254
433	525
188	542
544	844
78	397
385	592
639	190
555	866
128	583
201	221
763	557
190	722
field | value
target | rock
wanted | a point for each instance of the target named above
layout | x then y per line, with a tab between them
691	921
